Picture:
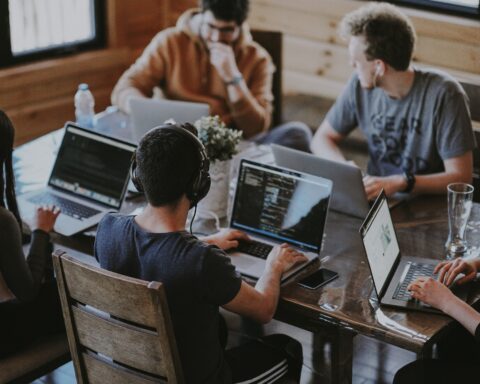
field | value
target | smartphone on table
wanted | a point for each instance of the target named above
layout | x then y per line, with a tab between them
317	279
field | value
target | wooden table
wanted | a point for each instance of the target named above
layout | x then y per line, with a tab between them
344	307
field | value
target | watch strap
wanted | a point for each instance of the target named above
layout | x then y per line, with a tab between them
410	178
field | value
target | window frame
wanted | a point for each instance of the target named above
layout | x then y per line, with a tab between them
7	58
445	8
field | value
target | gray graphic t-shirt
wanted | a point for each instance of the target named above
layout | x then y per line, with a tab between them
416	133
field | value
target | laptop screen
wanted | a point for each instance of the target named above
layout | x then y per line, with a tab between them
380	241
281	204
92	166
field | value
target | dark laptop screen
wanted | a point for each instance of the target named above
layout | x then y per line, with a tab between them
92	166
281	204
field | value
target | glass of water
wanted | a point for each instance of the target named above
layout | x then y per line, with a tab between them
460	197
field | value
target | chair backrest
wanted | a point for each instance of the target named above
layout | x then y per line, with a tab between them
119	328
272	41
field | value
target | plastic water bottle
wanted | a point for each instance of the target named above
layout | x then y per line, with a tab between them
84	104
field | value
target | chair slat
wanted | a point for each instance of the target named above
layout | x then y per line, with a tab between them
110	292
139	349
101	372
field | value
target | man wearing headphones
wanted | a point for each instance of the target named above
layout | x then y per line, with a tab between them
416	121
171	168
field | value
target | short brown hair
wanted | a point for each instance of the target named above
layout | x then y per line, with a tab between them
388	33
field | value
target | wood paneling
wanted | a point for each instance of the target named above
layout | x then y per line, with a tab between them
39	96
316	59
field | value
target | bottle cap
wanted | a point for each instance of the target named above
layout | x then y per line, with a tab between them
83	87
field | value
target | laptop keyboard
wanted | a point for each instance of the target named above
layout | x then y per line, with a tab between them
254	248
414	270
68	207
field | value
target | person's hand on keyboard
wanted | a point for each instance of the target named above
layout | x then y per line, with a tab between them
431	292
226	238
284	257
45	218
449	270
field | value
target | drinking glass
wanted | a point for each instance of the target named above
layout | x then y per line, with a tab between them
460	197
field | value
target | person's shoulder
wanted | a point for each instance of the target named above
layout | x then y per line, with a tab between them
440	81
167	36
7	219
112	220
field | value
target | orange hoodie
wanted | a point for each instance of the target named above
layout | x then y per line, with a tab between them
177	61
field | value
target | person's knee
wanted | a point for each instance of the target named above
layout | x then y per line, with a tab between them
293	134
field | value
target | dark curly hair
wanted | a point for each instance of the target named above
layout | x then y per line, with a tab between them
388	33
166	164
227	10
8	198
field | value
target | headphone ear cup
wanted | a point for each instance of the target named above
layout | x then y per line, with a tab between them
200	186
134	177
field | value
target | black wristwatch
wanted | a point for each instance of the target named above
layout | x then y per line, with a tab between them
410	178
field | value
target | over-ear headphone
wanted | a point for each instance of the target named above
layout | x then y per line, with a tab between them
199	185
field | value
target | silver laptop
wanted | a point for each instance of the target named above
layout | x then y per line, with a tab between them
391	272
149	113
348	194
89	179
277	205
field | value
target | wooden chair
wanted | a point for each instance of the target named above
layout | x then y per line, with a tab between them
272	41
119	328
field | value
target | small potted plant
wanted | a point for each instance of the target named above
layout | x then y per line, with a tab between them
221	145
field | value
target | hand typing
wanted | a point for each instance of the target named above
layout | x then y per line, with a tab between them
226	238
45	218
284	257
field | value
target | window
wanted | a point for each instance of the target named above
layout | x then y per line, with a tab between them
34	29
459	7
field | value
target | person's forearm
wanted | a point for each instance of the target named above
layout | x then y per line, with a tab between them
438	182
269	286
324	147
249	116
463	313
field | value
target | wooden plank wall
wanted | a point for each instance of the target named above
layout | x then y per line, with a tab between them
316	59
39	96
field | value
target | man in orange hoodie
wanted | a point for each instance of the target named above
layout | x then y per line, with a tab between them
210	57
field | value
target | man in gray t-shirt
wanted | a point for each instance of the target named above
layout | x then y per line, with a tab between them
416	122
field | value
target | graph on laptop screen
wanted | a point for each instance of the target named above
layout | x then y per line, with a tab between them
282	205
92	166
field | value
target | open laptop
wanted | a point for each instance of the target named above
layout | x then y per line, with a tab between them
277	205
149	113
89	179
392	272
348	194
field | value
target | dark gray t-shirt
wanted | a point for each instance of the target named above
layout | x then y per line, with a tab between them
416	133
198	278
